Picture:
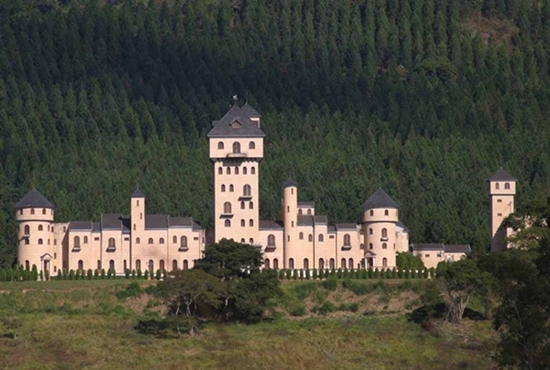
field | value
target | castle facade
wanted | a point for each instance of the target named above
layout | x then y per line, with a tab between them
302	239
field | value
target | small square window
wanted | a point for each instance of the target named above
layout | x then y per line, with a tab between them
499	214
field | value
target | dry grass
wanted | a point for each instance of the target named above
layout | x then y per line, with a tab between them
501	31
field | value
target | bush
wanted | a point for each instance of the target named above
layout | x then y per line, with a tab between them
59	274
146	275
103	274
307	274
321	274
298	310
281	274
34	273
377	273
288	274
109	274
96	274
426	273
132	290
64	274
90	274
41	275
71	275
133	274
77	275
157	274
432	272
314	274
295	274
358	288
325	308
127	273
138	273
339	273
301	274
330	283
333	272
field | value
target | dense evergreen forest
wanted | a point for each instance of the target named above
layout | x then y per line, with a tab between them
425	98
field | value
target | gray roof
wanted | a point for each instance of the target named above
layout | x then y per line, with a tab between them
304	220
111	221
138	193
246	128
380	199
270	225
502	175
179	221
402	225
81	225
457	248
331	229
428	247
197	226
306	204
289	183
346	226
156	222
320	220
33	199
96	227
249	111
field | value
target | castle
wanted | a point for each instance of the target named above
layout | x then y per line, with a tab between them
301	240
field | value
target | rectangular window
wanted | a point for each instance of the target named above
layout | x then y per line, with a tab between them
96	238
499	200
499	214
427	256
126	239
196	238
331	236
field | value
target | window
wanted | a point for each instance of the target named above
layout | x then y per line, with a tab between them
223	188
27	230
27	265
499	200
55	256
386	213
185	265
174	239
309	211
266	263
40	241
245	172
347	239
85	240
310	238
227	223
242	223
251	240
306	264
111	243
150	241
497	186
252	170
361	246
275	263
40	228
350	263
76	242
151	266
251	205
161	265
183	242
370	231
27	241
220	170
174	265
112	265
161	241
371	212
247	190
499	214
287	238
231	188
507	186
220	146
138	265
384	233
137	241
48	241
21	211
228	171
299	211
227	208
236	147
321	237
251	145
99	264
370	246
251	223
137	203
32	211
427	256
301	236
242	205
43	211
271	240
124	265
384	246
80	265
292	223
291	263
243	241
331	263
236	170
321	263
343	263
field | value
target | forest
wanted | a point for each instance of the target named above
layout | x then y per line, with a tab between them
424	98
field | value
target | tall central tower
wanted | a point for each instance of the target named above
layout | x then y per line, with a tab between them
236	148
502	187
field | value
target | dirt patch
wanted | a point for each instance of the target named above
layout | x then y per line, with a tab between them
501	31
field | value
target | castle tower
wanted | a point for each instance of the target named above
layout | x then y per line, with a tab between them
137	209
502	187
289	214
236	149
380	216
35	216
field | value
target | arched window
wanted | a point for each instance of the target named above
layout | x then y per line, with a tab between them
161	241
350	263
309	211
161	265
291	263
242	223
343	263
220	170
310	238
266	263
251	145
40	242
174	265
228	170
384	233
243	241
271	240
85	240
111	243
321	263
27	265
370	246
306	264
252	170
124	265
43	211
27	230
223	188
220	145
236	170
138	264
507	186
371	212
384	262
231	188
80	265
386	212
112	265
251	240
370	231
251	205
32	211
347	239
299	211
301	236
183	242
275	263
174	239
98	265
245	172
242	205
40	228
151	266
497	186
251	223
227	208
361	246
331	263
227	223
236	147
138	240
321	238
247	190
185	265
150	241
384	246
76	242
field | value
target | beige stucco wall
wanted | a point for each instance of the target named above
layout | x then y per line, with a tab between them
258	152
272	254
33	252
290	222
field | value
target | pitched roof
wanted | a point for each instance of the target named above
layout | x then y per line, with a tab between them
320	220
457	248
379	199
304	220
111	221
289	183
225	127
346	226
270	225
428	247
306	204
331	229
249	111
138	193
156	222
81	225
33	199
180	221
402	225
502	175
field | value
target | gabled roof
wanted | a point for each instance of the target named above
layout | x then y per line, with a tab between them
346	226
33	199
306	204
111	221
180	222
457	248
380	199
138	193
270	225
320	220
245	127
156	222
428	247
81	225
402	225
249	111
304	220
502	175
289	183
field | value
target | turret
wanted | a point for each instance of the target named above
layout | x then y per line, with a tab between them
35	216
380	216
289	214
502	188
137	208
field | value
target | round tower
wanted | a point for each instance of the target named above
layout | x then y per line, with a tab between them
35	216
289	214
380	216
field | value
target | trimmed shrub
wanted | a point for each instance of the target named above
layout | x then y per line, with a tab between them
288	274
77	275
41	275
64	274
34	273
332	272
339	273
314	274
295	274
330	283
90	274
376	274
301	274
138	273
281	274
407	274
102	273
370	273
308	275
426	273
321	274
432	272
127	273
133	273
109	274
345	273
71	275
157	274
59	274
96	274
146	275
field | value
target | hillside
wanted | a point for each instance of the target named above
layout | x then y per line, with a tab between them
426	98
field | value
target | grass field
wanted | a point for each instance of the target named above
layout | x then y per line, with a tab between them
82	324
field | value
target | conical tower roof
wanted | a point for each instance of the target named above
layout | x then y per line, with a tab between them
289	183
379	199
138	193
502	175
34	199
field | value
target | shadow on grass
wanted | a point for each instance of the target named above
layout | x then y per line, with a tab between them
157	328
427	312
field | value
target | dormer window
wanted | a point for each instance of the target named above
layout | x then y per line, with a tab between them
236	124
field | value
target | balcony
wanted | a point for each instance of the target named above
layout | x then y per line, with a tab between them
384	239
236	155
110	249
245	197
346	247
270	247
76	248
226	215
183	248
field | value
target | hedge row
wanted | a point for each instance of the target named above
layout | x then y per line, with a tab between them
109	274
21	274
321	274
